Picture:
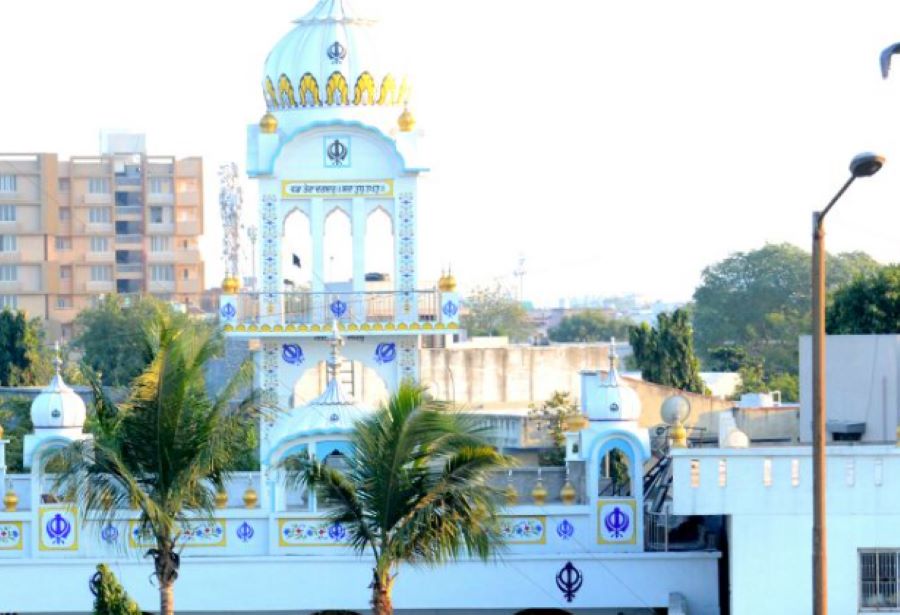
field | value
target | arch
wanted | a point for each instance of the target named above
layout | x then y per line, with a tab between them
615	477
269	94
364	90
286	92
309	91
337	246
379	245
296	241
337	84
403	93
388	93
369	387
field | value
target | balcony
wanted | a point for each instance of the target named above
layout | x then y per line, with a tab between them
160	286
161	198
188	227
188	257
13	256
166	256
100	286
129	268
97	198
160	228
130	213
100	257
99	228
188	286
129	239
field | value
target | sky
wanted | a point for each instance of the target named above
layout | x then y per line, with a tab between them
618	147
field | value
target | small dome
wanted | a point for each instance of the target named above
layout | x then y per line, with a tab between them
609	399
230	285
268	124
58	406
331	58
447	283
406	121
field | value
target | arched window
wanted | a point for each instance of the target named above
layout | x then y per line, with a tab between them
309	91
338	247
286	92
336	90
615	474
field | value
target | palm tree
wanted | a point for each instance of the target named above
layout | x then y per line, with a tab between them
415	489
167	448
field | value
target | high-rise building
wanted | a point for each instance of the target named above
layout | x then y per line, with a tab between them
122	221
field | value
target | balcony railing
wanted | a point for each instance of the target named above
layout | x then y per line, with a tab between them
129	238
307	308
129	267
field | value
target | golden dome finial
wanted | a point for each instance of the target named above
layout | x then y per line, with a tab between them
230	285
447	283
406	121
268	124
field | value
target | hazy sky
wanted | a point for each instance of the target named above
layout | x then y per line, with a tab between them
619	146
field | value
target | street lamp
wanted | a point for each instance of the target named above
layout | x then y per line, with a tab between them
862	165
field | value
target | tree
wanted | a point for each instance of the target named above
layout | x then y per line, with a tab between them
589	326
15	418
493	311
552	416
665	353
415	489
111	339
167	448
870	304
760	300
23	358
109	595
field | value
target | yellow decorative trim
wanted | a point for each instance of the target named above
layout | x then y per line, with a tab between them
388	90
402	327
303	328
353	327
415	326
364	90
428	326
277	328
440	326
309	85
283	543
19	545
290	328
341	326
337	84
389	327
228	328
315	328
265	328
241	328
378	327
286	92
453	325
223	542
271	97
403	93
252	328
366	327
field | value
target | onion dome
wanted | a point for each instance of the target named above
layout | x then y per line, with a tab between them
331	58
407	120
447	283
268	124
58	406
230	285
613	400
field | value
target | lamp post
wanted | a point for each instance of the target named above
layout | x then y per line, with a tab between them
862	165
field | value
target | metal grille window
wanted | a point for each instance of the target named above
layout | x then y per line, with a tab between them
99	244
7	183
98	185
162	273
160	243
101	273
878	580
99	215
7	213
8	243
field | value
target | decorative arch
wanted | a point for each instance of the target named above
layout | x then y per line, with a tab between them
380	242
269	93
370	387
618	462
296	255
388	91
286	92
309	91
337	245
336	90
365	89
403	94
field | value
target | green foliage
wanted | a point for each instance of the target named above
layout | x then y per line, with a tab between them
589	326
552	416
24	360
109	595
494	312
760	301
869	304
665	353
415	490
111	338
15	417
167	446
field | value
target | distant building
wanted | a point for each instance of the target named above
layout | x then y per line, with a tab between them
122	221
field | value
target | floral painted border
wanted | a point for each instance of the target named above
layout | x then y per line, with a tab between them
193	534
11	536
311	533
530	530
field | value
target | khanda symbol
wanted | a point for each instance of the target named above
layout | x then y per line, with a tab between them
337	153
336	52
58	529
569	580
616	523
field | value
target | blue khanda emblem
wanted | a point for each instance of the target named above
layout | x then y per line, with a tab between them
617	522
565	529
228	311
58	529
337	532
109	534
385	352
450	309
245	532
292	354
338	308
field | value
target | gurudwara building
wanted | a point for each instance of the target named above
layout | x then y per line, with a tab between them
338	137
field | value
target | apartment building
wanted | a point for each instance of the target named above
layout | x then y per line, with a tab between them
122	221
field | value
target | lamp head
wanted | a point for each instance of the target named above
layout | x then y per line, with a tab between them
866	164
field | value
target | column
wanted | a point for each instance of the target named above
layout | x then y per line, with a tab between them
317	235
358	219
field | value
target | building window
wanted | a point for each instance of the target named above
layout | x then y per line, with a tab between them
7	183
878	579
162	273
99	244
63	184
99	215
156	215
63	243
160	185
101	273
188	185
7	243
184	274
9	302
65	214
7	213
65	272
98	185
9	273
64	302
160	244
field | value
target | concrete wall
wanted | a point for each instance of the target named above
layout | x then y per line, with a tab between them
862	374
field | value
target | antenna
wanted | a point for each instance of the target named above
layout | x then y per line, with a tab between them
519	273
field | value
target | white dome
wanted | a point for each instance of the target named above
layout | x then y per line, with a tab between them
58	407
332	412
331	59
609	398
